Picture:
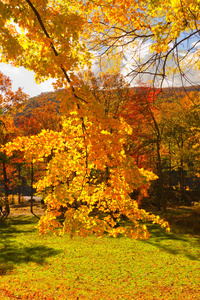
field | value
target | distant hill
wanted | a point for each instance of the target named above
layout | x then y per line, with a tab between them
170	92
43	99
54	98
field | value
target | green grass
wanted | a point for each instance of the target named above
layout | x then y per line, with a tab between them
167	266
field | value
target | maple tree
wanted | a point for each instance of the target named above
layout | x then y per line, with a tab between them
101	26
9	102
142	113
43	113
87	167
167	31
77	157
181	117
108	89
174	120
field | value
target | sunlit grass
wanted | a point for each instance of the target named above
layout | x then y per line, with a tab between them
166	266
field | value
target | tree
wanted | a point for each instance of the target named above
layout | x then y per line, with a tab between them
164	139
110	90
38	114
9	102
169	29
142	113
33	30
181	117
87	167
77	156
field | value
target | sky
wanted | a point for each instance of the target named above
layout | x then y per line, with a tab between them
25	79
191	76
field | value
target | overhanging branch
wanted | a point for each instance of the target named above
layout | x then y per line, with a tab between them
53	48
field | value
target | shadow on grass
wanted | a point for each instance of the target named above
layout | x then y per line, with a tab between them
23	219
12	255
19	220
11	227
12	249
175	244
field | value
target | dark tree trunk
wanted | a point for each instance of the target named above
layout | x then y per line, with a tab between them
162	200
170	168
19	185
5	182
32	180
32	174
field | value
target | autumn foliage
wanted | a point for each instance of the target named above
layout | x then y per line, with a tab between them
10	102
89	170
89	176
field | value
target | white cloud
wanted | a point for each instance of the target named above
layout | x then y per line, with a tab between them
141	53
25	79
196	44
7	69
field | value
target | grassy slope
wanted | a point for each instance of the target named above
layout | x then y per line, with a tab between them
35	267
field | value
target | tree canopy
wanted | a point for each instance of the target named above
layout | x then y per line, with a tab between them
85	158
128	29
61	36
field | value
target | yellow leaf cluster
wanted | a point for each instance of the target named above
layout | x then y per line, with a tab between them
87	171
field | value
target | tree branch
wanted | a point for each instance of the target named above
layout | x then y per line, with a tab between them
53	48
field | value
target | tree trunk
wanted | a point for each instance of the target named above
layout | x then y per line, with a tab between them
32	180
5	182
162	199
161	181
19	185
170	168
32	174
183	185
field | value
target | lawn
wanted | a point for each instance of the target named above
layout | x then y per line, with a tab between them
167	266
